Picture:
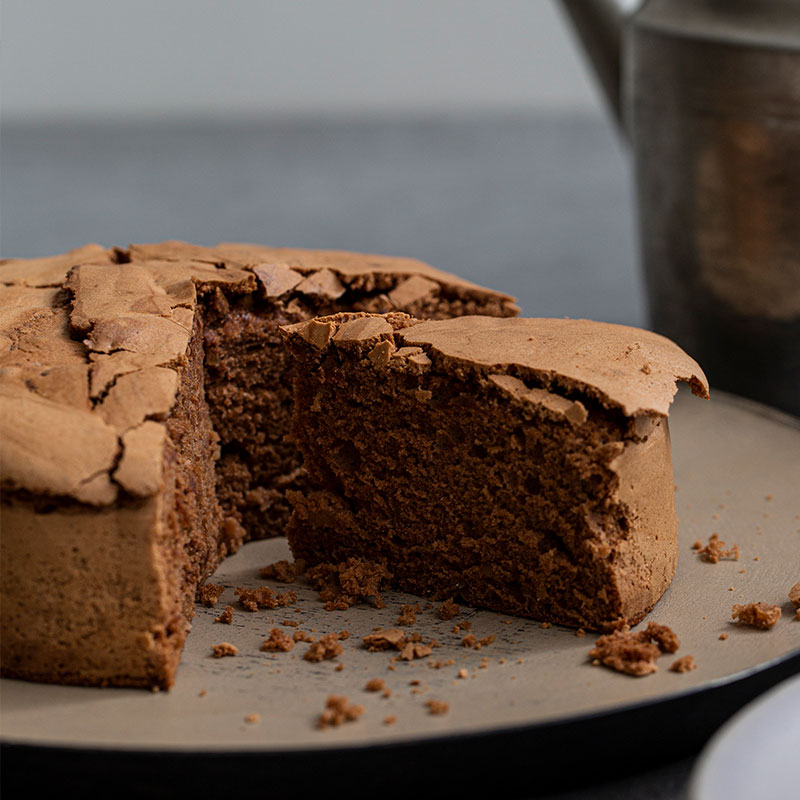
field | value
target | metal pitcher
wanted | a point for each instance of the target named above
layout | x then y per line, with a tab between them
708	94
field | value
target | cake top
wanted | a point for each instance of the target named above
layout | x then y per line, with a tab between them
92	343
631	369
345	265
634	369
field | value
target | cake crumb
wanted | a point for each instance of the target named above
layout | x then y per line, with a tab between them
253	599
284	599
683	664
580	633
389	720
343	585
278	641
437	706
408	615
794	595
325	648
281	571
715	550
210	594
375	685
545	625
469	640
339	667
302	636
252	719
290	623
462	673
757	615
663	636
635	653
338	709
413	651
723	636
226	617
224	649
391	639
449	609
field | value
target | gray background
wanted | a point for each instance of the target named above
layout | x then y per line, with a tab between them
217	58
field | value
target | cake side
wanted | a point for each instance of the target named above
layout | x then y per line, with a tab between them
646	560
93	595
462	478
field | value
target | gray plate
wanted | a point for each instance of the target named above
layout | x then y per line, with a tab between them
737	469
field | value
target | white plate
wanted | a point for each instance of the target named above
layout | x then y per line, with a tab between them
756	754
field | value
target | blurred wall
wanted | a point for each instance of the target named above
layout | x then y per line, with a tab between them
215	58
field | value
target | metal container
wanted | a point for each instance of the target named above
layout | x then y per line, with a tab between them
708	94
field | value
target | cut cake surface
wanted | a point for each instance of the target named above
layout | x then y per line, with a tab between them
521	465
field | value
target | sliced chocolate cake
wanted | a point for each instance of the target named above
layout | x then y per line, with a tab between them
145	400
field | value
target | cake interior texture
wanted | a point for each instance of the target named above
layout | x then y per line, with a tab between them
518	465
145	406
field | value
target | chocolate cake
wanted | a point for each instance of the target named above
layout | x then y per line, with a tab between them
521	465
144	410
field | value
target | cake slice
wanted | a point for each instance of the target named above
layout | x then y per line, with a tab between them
144	416
521	465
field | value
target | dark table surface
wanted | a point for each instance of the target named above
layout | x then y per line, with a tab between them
539	206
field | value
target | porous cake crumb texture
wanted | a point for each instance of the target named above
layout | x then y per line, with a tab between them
565	507
757	615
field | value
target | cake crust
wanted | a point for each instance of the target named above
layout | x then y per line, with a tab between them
636	370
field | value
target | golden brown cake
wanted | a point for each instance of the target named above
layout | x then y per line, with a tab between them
144	409
522	465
